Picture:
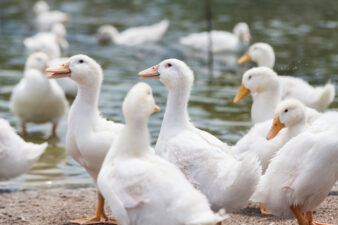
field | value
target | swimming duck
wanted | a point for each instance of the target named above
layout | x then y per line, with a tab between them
35	98
304	170
49	42
16	155
89	135
45	19
207	162
291	87
221	40
133	36
141	187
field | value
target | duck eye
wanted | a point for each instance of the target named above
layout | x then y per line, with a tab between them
81	61
286	110
169	65
250	77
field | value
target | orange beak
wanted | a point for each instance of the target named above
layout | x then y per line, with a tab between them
276	127
242	93
59	71
150	73
245	58
157	108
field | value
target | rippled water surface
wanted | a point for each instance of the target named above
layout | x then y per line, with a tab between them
304	35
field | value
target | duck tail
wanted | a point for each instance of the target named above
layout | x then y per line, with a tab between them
326	96
36	150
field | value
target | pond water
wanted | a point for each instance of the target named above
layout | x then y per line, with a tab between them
303	33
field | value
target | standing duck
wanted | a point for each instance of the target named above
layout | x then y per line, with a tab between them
36	99
304	170
221	40
16	155
207	162
318	98
141	187
89	135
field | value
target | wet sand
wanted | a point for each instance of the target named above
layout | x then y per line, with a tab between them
58	206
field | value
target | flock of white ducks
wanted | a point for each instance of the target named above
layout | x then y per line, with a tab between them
140	186
191	174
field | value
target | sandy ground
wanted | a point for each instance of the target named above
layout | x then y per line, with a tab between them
58	206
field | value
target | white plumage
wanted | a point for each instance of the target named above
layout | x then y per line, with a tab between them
89	135
291	87
16	155
304	170
221	40
141	187
207	162
35	98
45	19
132	36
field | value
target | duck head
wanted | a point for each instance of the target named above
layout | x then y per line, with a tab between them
288	113
257	80
80	68
260	53
242	31
173	73
38	61
139	103
107	34
41	7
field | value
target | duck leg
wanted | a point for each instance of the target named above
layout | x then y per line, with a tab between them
54	129
264	211
300	218
23	130
309	216
100	216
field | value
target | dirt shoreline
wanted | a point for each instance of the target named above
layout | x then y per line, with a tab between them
58	206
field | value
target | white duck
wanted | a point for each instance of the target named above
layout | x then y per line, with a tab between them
303	172
221	40
207	162
141	187
89	136
264	85
51	43
16	155
45	19
291	87
132	36
37	99
48	41
255	140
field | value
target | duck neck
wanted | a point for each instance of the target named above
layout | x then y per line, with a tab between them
264	104
296	129
134	139
176	113
88	97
